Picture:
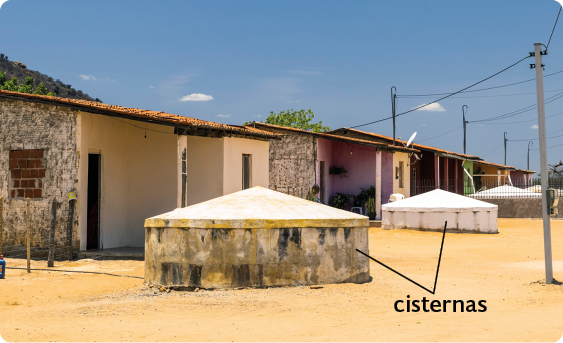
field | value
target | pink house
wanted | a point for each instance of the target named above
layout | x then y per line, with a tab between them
302	159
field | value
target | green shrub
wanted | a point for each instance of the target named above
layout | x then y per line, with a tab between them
41	89
11	85
340	201
52	94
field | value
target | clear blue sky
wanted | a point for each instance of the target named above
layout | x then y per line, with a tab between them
339	59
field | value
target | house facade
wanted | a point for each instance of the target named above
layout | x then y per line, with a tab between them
433	169
124	165
302	159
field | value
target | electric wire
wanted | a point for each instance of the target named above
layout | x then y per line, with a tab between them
445	133
556	20
493	150
519	111
498	96
478	90
445	97
522	121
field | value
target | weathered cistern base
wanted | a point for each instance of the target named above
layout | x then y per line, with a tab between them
429	212
256	238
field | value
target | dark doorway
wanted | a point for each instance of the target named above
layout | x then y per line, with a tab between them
93	202
246	171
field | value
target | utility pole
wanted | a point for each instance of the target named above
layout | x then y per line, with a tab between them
543	162
505	140
393	108
463	109
530	143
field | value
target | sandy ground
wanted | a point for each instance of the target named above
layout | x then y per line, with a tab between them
506	270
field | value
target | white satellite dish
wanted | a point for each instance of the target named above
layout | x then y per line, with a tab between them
411	139
410	143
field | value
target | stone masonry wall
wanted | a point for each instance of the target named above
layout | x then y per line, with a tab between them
41	141
292	163
521	207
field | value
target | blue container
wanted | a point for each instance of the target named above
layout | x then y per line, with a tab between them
2	267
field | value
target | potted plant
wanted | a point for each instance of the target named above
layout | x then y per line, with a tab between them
370	207
340	201
340	171
364	195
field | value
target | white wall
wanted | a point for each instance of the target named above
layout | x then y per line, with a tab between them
138	176
406	189
204	168
234	148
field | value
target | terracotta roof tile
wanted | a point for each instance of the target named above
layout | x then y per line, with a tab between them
157	116
415	145
335	137
495	165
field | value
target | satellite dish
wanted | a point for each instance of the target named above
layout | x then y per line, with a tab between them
416	156
411	139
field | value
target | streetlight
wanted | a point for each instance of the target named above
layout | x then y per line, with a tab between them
463	110
530	143
393	108
505	140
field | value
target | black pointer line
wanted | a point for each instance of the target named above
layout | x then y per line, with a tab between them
416	283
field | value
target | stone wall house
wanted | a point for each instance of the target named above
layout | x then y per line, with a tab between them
124	164
302	159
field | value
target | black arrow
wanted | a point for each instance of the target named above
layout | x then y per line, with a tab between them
416	283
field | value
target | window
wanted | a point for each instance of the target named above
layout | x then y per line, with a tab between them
246	170
27	172
400	174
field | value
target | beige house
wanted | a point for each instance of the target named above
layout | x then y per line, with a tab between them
124	164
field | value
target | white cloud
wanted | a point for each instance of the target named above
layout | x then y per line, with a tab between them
196	97
433	107
93	78
534	127
423	124
87	77
291	101
151	86
223	115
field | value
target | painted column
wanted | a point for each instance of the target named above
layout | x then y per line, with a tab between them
182	172
456	175
437	171
378	185
446	174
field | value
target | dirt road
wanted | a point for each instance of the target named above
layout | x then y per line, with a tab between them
505	270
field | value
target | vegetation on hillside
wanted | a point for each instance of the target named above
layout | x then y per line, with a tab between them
296	119
34	82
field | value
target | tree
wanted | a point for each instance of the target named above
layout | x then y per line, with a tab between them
11	85
2	78
27	86
556	170
52	94
296	119
41	89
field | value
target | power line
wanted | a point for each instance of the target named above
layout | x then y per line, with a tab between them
556	20
532	139
497	96
427	139
520	111
493	150
523	121
478	90
447	96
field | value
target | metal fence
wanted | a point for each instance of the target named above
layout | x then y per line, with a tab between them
488	188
